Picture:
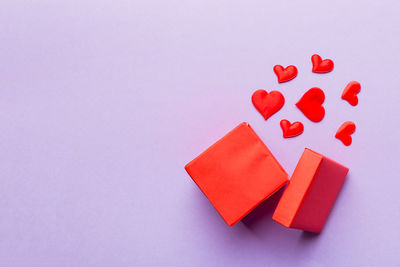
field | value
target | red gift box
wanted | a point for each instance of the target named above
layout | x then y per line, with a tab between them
237	173
307	200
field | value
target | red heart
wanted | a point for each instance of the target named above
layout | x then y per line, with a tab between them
350	93
267	103
311	104
321	66
285	74
291	129
344	132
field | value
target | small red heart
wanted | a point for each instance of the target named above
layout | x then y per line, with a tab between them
267	103
285	74
344	132
321	66
311	104
350	92
291	129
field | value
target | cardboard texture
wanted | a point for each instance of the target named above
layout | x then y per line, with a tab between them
311	192
237	173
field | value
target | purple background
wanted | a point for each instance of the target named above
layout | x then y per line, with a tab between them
103	103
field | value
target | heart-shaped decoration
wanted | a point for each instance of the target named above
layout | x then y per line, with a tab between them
311	104
321	66
350	93
345	131
285	74
291	129
267	103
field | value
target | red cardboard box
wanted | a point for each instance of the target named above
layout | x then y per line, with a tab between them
237	173
311	192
